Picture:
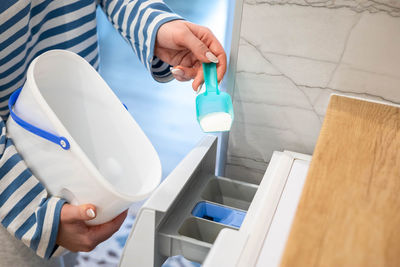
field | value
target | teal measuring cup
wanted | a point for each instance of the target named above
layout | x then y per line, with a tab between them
214	108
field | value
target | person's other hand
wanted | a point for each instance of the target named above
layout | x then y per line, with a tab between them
75	235
185	46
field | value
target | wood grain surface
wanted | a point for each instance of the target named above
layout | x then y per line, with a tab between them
349	212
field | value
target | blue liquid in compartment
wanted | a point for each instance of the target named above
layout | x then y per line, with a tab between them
220	214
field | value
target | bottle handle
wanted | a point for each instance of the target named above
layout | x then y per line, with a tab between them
210	78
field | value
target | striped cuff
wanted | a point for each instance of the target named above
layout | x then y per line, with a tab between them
44	239
160	70
144	34
56	211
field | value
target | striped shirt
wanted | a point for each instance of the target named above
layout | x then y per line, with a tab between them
29	28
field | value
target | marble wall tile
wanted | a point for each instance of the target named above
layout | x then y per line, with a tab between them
292	55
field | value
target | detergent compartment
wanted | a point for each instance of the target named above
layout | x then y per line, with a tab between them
207	205
201	230
231	193
218	213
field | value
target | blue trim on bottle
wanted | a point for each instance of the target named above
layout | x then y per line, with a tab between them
61	141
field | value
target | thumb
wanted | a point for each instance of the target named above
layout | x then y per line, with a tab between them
71	213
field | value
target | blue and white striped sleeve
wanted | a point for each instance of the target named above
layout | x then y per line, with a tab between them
138	22
26	209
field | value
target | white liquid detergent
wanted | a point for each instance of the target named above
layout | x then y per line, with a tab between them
216	122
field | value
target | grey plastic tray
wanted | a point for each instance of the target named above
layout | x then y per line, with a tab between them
181	233
230	193
201	229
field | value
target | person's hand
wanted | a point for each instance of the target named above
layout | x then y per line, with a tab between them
185	46
75	235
